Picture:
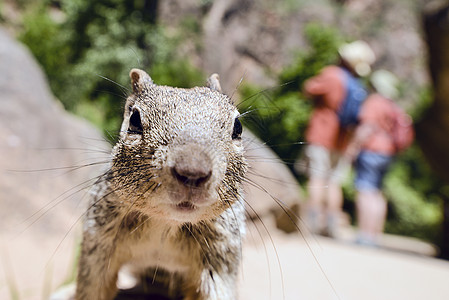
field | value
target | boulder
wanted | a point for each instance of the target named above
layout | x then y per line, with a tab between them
270	187
48	159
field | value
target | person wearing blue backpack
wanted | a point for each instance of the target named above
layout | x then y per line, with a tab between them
383	131
337	93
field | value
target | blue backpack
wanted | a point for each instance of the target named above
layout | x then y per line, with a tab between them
355	95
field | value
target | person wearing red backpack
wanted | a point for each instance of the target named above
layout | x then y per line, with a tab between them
373	147
326	138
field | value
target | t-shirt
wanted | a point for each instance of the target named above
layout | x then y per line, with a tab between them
379	112
328	91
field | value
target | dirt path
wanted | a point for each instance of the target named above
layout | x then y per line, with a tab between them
325	269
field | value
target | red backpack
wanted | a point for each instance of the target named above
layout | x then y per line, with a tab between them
403	132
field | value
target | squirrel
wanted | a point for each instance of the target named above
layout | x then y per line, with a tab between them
171	200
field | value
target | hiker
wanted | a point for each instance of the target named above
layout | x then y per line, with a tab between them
326	138
373	147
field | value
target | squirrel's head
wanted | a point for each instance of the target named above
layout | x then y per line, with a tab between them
180	154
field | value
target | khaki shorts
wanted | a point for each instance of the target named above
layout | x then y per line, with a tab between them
326	164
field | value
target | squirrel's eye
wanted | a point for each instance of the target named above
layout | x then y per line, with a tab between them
237	131
135	123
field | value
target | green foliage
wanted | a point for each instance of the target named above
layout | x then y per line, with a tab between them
413	194
2	18
42	37
280	116
425	97
323	43
88	56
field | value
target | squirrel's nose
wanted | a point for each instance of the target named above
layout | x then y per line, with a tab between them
191	164
192	176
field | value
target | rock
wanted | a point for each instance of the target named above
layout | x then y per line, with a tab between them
42	179
270	188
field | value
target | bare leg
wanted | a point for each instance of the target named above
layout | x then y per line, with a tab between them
334	207
317	189
371	214
380	213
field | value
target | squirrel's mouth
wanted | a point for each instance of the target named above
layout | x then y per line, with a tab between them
185	206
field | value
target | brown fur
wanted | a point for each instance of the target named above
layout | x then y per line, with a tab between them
172	198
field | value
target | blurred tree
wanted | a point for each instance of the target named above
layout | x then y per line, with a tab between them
88	55
432	131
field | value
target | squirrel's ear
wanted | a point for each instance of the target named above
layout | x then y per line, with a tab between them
139	79
213	82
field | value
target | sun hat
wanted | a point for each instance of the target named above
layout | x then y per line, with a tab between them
385	83
359	56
